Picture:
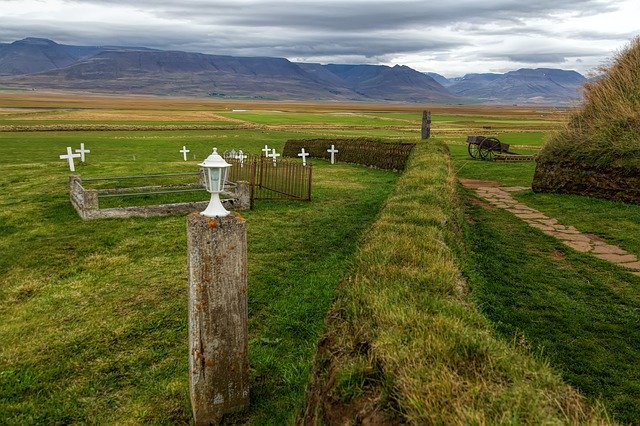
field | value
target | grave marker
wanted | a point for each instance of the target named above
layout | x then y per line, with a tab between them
266	150
69	157
184	151
333	152
241	156
273	155
304	156
82	151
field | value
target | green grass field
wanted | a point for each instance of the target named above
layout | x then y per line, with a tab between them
575	311
93	314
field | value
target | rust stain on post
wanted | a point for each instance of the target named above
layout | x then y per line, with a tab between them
218	342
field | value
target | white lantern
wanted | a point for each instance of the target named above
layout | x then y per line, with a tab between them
215	175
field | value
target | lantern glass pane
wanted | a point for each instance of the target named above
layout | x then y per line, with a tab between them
207	184
225	174
214	179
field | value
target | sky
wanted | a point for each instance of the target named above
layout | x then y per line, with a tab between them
449	37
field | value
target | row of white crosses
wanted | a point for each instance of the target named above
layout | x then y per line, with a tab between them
268	152
70	155
303	154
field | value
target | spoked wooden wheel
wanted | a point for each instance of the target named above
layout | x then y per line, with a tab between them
489	148
474	150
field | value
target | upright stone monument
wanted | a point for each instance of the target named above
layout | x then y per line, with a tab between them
218	363
426	124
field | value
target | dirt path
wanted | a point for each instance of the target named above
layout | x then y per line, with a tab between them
500	197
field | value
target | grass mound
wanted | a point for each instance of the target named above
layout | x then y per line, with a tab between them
597	151
405	345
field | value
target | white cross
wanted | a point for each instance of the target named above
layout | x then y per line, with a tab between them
184	151
82	151
69	157
273	155
333	151
304	157
241	156
266	150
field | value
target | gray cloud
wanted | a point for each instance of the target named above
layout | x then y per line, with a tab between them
376	31
532	58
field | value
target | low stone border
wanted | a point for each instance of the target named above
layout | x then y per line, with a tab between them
85	202
501	197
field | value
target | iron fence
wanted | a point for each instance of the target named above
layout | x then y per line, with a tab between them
272	180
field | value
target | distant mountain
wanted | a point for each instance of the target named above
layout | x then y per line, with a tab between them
183	73
145	71
44	64
398	83
444	81
540	85
32	55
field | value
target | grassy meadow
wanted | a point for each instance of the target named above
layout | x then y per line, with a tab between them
93	322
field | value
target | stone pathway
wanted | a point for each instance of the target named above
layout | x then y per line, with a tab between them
501	197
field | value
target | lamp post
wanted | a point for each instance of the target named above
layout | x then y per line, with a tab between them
215	175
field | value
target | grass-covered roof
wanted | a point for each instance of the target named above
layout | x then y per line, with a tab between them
604	133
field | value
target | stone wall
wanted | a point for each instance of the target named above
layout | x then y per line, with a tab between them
611	184
85	201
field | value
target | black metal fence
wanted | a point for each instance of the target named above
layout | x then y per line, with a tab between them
272	180
370	152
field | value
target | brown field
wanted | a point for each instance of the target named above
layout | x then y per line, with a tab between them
37	100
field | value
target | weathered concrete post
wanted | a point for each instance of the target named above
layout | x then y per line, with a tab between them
243	194
426	124
218	363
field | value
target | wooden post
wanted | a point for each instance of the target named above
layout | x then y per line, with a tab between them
218	363
426	124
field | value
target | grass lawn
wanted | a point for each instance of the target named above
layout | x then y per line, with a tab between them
578	312
93	314
574	310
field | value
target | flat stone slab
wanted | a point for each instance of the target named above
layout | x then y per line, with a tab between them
514	188
474	183
631	265
580	246
617	258
604	248
527	215
578	238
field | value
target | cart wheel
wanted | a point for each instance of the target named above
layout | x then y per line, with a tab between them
473	149
489	148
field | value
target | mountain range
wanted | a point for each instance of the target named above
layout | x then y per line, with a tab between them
37	63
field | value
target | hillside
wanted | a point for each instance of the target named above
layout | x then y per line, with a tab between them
36	63
541	85
182	73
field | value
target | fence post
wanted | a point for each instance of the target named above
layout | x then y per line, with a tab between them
426	124
218	363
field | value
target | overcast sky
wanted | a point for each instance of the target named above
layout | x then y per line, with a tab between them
445	36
